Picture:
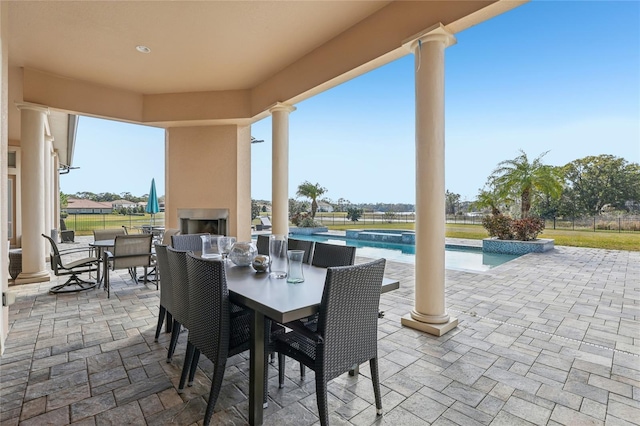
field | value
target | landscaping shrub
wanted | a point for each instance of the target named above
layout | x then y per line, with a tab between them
498	225
304	220
527	229
505	228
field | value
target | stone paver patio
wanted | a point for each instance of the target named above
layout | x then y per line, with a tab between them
545	339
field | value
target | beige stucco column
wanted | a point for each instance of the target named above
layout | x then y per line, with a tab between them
56	191
280	168
33	132
48	207
429	312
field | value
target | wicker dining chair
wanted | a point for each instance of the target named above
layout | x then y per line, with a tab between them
215	331
307	246
177	262
345	334
327	255
263	244
324	256
187	242
166	290
219	328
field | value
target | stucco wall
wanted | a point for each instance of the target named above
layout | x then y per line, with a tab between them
209	167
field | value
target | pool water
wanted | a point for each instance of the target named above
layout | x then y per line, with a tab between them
456	257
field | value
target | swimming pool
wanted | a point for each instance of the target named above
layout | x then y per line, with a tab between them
456	257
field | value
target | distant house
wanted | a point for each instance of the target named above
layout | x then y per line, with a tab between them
323	206
118	204
75	206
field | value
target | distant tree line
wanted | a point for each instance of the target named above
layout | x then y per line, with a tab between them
108	196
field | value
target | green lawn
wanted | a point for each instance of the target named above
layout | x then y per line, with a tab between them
604	240
84	224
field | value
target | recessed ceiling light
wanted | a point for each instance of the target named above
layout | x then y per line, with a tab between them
143	49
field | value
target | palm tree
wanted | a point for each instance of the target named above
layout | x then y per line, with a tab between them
524	180
311	191
488	198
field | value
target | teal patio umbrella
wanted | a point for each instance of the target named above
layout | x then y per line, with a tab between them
152	202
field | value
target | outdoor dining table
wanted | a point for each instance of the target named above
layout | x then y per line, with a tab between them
282	302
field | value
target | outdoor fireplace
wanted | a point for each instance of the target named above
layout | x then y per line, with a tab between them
196	221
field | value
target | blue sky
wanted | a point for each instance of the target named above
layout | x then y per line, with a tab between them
550	76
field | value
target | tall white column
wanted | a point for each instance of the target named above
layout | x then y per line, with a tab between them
32	130
56	191
48	207
280	168
429	313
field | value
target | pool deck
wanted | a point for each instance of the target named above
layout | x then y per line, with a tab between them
546	339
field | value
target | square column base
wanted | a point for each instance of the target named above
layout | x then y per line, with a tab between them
32	277
434	329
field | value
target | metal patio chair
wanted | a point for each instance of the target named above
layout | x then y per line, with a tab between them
129	252
73	268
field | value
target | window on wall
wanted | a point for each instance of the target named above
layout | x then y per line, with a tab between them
12	159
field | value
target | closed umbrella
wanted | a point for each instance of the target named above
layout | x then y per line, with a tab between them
152	202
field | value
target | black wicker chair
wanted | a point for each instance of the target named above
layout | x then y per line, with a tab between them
177	261
324	256
346	332
187	242
307	246
73	268
263	244
328	255
166	290
219	328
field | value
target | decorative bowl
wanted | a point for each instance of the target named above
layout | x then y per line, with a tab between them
242	253
261	263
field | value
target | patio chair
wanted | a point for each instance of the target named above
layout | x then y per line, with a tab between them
187	242
326	255
108	234
219	328
72	268
177	262
129	252
266	222
263	244
307	246
346	331
168	233
166	290
66	235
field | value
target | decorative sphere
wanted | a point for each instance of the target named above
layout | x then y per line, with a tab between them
242	253
260	263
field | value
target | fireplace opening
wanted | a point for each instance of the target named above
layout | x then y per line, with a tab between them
197	221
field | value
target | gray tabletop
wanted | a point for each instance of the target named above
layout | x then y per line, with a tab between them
278	299
102	243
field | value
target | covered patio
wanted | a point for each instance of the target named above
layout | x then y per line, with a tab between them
544	339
